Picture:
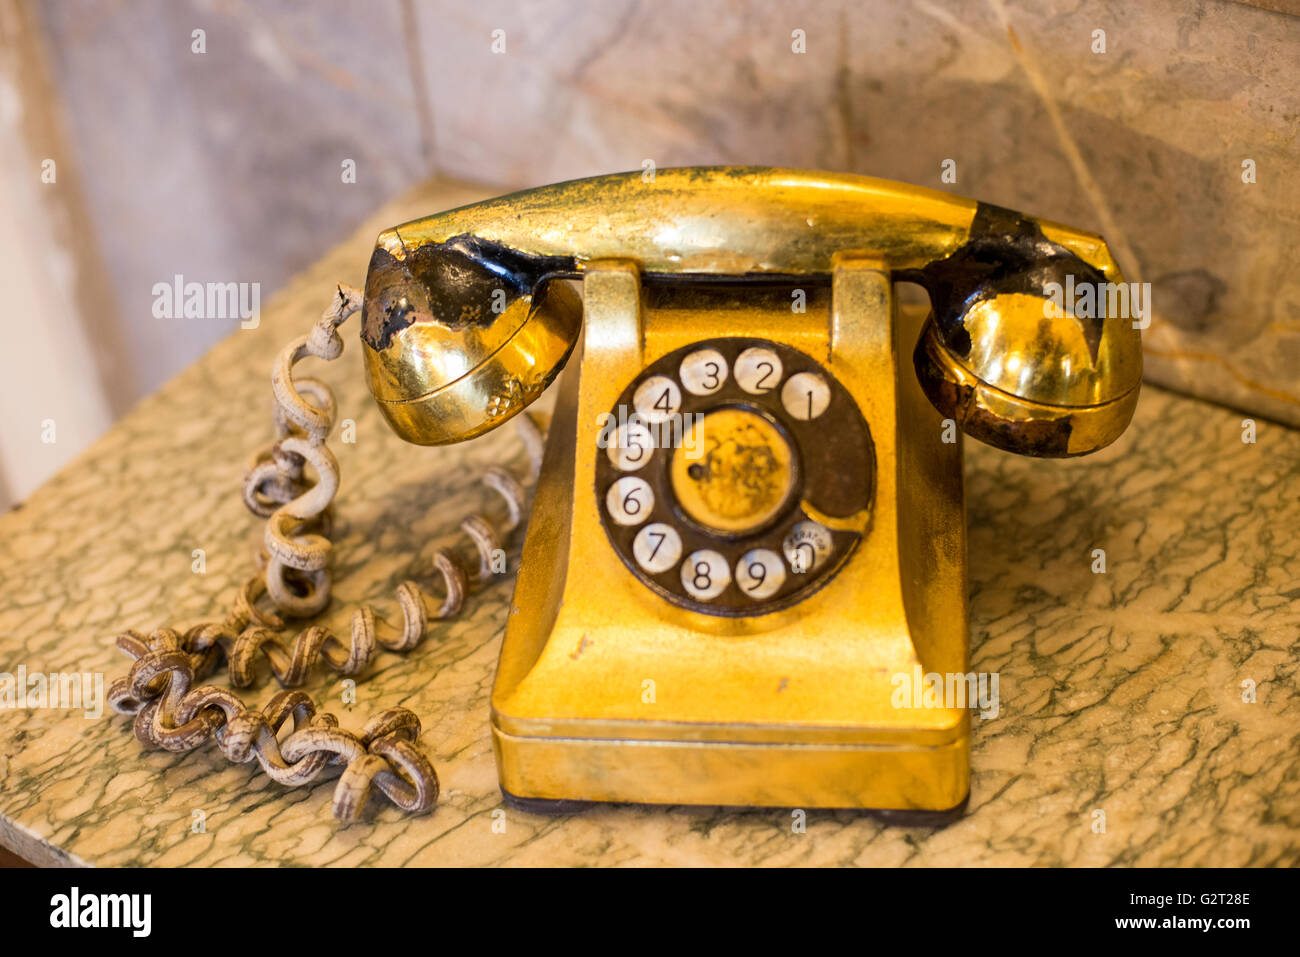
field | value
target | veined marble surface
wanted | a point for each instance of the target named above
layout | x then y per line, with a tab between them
1121	692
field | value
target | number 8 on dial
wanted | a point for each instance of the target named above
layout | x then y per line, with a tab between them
705	574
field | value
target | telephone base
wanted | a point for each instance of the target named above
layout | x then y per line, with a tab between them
714	766
611	691
893	817
546	806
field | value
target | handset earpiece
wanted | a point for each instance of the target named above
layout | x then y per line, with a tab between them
1008	357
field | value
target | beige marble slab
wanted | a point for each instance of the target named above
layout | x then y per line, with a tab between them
1121	692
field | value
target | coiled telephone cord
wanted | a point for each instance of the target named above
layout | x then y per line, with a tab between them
172	714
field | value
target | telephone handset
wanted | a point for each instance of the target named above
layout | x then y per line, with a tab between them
749	521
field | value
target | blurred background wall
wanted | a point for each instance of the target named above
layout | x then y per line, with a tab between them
211	139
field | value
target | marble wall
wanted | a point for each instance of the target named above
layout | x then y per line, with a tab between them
225	165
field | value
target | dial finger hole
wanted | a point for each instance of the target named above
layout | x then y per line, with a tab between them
705	574
631	447
805	395
703	372
657	547
758	370
630	500
657	399
760	573
807	547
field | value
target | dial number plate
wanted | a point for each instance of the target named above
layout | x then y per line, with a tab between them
702	490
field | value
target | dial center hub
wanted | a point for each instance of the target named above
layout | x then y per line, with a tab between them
734	470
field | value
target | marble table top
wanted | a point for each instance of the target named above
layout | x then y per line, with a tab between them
1125	695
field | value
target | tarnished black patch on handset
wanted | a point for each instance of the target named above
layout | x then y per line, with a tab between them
454	283
1006	253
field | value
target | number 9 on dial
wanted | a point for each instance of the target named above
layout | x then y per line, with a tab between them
760	573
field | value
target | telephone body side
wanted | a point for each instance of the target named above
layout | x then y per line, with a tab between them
736	612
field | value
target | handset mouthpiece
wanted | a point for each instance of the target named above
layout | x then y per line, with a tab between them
459	336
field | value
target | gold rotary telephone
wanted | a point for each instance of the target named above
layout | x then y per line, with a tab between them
748	520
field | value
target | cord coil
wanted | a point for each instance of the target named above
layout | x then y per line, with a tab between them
172	714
